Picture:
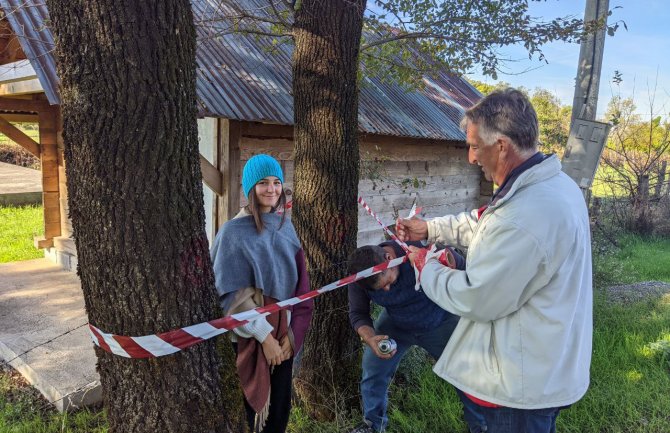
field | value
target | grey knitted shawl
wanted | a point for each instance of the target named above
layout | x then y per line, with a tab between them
242	257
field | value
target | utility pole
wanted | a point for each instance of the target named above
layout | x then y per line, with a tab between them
590	64
587	137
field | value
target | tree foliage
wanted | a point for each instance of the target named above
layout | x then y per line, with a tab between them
486	88
635	162
403	39
637	147
554	120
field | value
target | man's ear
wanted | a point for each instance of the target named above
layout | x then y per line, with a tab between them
504	143
387	256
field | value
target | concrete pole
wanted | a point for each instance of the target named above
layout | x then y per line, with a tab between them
585	101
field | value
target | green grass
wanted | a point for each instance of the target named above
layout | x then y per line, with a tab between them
22	411
630	372
636	259
18	226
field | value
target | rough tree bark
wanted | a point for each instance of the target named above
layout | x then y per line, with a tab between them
127	71
325	89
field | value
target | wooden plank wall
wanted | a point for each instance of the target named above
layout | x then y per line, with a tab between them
394	173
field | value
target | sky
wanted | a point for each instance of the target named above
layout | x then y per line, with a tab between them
641	54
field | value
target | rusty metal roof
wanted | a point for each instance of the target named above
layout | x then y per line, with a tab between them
27	19
245	77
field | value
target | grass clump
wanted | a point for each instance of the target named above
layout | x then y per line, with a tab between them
18	226
630	378
634	259
23	410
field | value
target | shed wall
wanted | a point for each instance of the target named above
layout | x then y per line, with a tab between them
394	173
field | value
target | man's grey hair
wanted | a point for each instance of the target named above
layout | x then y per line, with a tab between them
507	112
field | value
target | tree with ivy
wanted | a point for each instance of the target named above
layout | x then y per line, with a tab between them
396	40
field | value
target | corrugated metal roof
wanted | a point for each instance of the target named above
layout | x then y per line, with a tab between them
245	77
28	19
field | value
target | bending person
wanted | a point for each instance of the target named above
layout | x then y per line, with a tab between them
408	317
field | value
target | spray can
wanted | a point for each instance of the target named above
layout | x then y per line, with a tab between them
387	345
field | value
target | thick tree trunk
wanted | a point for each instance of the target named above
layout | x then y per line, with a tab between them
127	70
325	64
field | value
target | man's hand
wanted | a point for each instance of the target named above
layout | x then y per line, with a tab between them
367	334
419	256
412	229
373	342
286	348
272	350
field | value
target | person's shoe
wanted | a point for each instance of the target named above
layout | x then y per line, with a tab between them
362	428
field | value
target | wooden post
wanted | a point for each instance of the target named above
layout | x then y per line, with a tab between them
228	163
585	101
50	191
661	179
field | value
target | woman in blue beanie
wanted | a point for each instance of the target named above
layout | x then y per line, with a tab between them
258	261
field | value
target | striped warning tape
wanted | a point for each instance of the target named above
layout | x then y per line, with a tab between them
167	343
385	228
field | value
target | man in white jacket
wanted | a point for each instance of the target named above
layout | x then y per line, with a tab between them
522	349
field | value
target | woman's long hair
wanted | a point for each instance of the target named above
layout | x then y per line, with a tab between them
254	208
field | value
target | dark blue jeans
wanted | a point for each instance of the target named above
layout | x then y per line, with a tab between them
508	420
378	373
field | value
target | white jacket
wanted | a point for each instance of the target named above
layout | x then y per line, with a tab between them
525	298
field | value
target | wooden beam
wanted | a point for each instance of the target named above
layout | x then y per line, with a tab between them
212	177
27	105
228	161
41	242
19	137
27	87
19	118
265	130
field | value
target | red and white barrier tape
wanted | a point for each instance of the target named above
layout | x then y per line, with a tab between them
166	343
386	230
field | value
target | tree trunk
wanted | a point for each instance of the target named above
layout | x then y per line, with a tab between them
643	220
325	88
661	179
127	71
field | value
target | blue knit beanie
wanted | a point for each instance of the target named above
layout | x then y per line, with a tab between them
257	168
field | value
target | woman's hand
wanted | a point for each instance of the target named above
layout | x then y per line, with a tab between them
272	350
286	348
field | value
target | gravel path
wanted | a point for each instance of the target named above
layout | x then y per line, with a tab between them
628	293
